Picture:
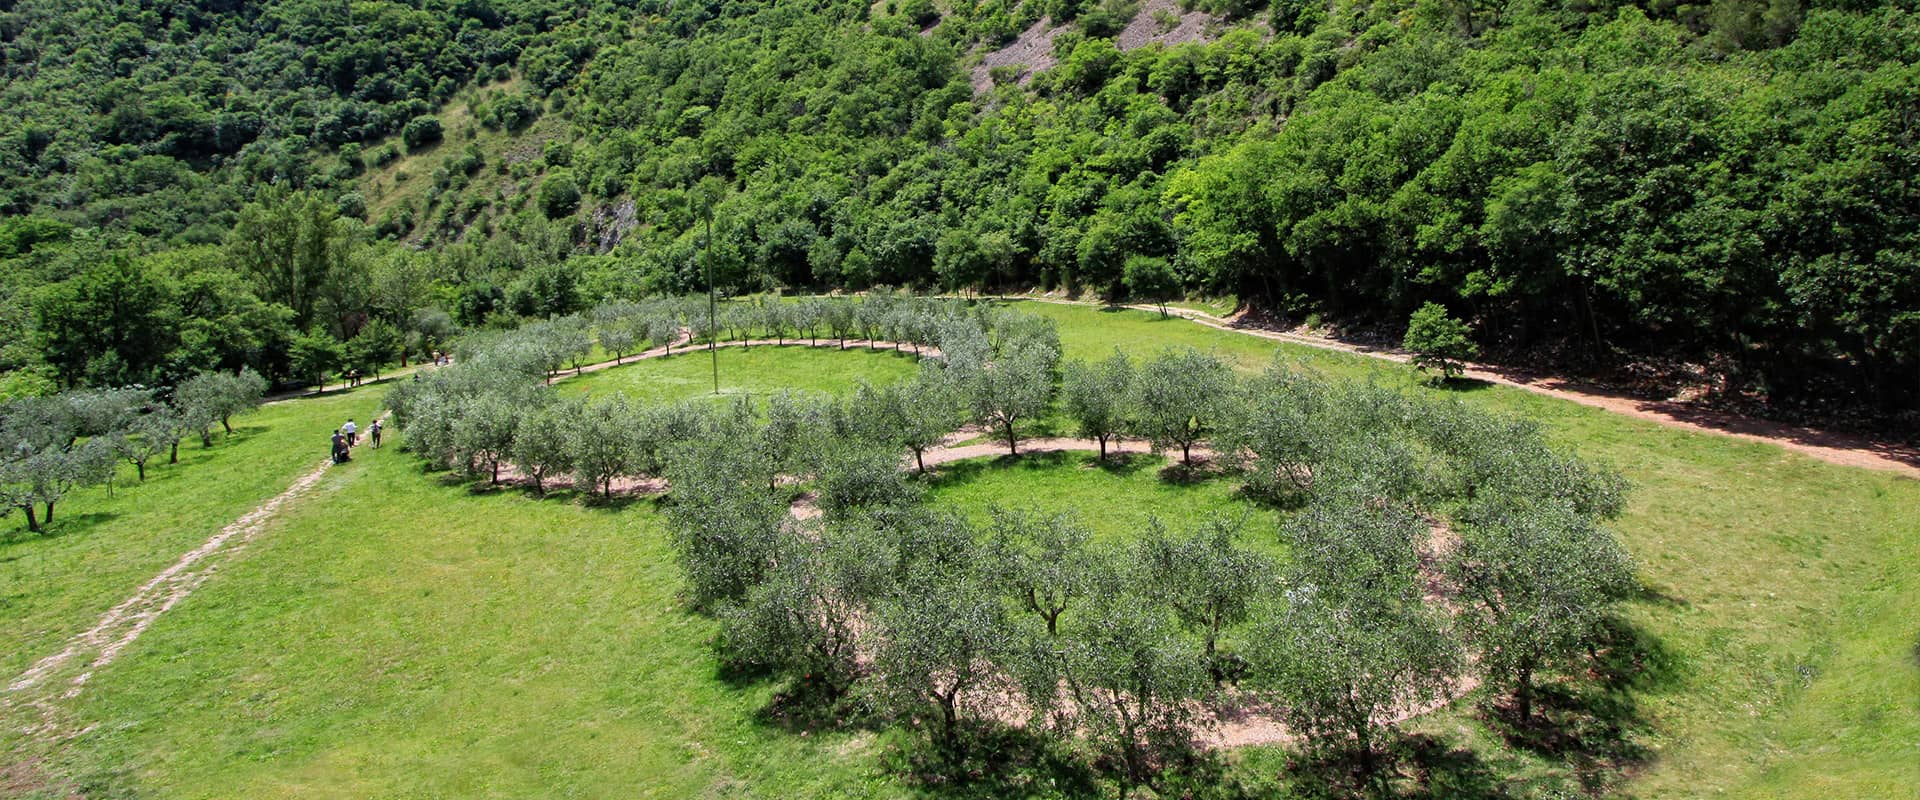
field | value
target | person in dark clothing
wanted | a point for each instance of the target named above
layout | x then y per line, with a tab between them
374	431
340	448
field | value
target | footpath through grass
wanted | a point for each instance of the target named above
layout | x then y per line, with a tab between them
101	548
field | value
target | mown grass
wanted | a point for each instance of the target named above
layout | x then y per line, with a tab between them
394	636
399	635
1117	500
757	371
101	546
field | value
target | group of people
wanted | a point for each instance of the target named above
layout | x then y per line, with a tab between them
347	436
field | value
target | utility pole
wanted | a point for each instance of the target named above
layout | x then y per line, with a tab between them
712	344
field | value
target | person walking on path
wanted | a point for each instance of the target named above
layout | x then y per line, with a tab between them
350	429
373	431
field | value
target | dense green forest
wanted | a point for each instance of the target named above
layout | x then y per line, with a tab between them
212	184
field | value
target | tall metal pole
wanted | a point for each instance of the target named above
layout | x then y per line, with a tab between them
712	344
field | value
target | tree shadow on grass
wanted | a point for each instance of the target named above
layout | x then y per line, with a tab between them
1002	762
1124	465
1439	770
1594	726
1461	385
64	524
1415	766
1180	473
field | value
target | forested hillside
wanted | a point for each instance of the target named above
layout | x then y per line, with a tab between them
192	185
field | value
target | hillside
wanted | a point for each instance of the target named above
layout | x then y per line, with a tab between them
1724	191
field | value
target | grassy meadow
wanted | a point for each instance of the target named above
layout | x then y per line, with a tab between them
398	633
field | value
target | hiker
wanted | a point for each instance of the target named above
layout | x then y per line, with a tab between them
340	448
374	432
350	429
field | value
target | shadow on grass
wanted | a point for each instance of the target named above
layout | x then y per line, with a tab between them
1461	385
65	524
1280	499
1415	766
1001	762
1594	727
1437	769
1183	473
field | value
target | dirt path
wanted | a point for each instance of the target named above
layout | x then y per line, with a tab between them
54	678
301	394
1837	448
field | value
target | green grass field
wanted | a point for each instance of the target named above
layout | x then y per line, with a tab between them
396	634
757	372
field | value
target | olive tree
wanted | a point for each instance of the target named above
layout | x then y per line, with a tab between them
49	475
665	329
856	478
726	527
542	444
1206	577
1536	586
1097	395
601	444
1017	385
841	319
1279	431
219	397
805	316
1129	678
940	633
1044	562
916	414
806	616
483	434
1179	397
151	434
1352	646
620	329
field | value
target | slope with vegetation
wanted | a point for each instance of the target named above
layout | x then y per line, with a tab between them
1724	188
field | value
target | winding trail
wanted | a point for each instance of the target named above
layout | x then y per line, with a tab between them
1830	446
40	687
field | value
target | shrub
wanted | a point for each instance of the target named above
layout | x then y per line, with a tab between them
421	132
1439	341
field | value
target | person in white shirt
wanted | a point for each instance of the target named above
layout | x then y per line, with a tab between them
349	430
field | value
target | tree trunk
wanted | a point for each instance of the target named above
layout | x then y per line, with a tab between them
1523	694
1013	441
225	423
920	459
1103	447
173	453
50	510
1186	453
496	472
141	467
33	523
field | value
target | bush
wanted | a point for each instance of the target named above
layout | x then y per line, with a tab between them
559	194
421	132
1438	340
